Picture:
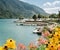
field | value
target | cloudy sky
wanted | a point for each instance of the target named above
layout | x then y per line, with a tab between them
50	6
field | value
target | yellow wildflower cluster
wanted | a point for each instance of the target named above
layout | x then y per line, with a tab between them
10	44
54	41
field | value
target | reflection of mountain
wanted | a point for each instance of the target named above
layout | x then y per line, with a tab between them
16	8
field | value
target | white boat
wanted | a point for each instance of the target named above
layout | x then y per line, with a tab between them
38	30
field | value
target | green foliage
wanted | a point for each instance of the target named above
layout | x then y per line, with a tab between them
34	17
39	16
21	17
58	17
53	16
42	47
59	14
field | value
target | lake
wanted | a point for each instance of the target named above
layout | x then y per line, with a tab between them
21	34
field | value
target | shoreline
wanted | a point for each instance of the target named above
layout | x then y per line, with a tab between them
32	22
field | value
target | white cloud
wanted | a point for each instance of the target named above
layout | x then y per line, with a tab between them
51	3
52	10
52	7
47	4
56	2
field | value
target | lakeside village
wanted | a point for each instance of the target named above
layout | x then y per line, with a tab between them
39	20
49	33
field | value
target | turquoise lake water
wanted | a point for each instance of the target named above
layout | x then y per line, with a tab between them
21	34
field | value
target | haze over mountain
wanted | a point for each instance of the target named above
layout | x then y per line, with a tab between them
16	9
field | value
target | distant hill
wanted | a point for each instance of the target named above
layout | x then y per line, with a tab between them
16	9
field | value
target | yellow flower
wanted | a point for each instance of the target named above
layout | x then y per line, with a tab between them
54	40
58	47
46	48
56	29
52	47
59	29
11	43
5	47
1	48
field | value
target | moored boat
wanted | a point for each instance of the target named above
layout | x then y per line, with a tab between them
38	31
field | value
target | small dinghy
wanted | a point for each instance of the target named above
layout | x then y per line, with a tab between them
38	31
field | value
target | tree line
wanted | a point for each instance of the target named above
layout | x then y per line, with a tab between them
42	16
50	16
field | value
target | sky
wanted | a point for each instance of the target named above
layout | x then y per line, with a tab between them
50	6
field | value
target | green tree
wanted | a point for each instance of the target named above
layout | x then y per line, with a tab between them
20	18
34	17
53	16
39	16
59	17
59	14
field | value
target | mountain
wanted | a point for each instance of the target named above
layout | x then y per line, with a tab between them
16	9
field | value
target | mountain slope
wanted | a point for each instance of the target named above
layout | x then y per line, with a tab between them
16	8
